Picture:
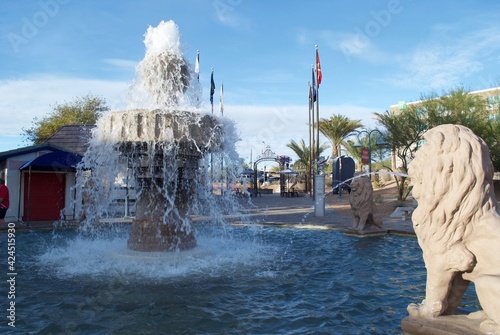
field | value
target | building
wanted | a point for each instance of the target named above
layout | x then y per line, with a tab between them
41	177
492	96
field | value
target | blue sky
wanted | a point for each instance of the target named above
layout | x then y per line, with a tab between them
373	54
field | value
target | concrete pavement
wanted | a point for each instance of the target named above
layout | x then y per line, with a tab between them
272	209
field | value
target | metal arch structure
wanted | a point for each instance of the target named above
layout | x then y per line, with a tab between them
268	156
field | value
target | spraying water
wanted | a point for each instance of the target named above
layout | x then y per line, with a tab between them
164	77
348	181
160	147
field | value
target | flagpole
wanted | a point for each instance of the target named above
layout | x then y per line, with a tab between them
221	109
222	98
212	90
318	81
313	128
197	65
319	178
311	104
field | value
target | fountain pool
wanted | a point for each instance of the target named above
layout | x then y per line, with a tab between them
237	280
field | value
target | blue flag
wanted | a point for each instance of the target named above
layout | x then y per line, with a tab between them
212	87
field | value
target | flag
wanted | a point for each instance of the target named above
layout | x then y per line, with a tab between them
318	68
222	98
310	96
212	87
197	65
313	86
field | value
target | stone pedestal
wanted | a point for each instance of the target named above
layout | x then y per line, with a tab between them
319	195
159	224
156	236
442	325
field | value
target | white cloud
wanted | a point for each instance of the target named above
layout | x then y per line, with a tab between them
227	14
355	44
352	45
447	60
123	64
24	99
437	66
276	126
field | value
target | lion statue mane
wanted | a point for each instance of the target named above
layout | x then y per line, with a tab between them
457	224
362	204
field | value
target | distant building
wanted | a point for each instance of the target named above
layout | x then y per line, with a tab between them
41	177
492	96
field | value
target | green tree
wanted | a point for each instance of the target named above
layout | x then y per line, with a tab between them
303	153
378	152
404	133
336	129
491	136
473	111
457	107
83	110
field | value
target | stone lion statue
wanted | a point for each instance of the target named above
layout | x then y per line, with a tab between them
457	224
362	204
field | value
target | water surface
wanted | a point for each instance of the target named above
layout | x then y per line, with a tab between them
239	280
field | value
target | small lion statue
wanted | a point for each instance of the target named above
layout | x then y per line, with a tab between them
362	204
457	224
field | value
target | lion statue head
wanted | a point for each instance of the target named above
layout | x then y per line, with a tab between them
456	223
452	178
362	204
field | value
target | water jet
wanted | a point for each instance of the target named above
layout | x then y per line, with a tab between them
162	146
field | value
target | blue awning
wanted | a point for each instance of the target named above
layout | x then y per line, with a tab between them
54	161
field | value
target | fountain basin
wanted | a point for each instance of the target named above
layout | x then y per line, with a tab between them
242	279
191	132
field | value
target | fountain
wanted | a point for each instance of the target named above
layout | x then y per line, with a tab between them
162	147
165	148
242	279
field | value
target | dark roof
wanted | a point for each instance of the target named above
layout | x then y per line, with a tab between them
73	138
28	150
54	161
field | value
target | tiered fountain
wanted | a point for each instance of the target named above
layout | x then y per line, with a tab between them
162	146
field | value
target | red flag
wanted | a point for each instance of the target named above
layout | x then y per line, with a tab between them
318	68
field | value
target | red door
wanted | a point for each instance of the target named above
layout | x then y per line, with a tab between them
46	196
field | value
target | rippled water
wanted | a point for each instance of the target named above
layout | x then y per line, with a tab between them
248	280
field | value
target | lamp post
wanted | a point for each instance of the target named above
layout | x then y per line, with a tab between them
380	142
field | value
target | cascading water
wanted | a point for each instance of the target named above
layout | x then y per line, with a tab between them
163	145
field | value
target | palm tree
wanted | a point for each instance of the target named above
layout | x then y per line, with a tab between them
303	152
336	128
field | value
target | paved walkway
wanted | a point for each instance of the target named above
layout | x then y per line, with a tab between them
272	209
